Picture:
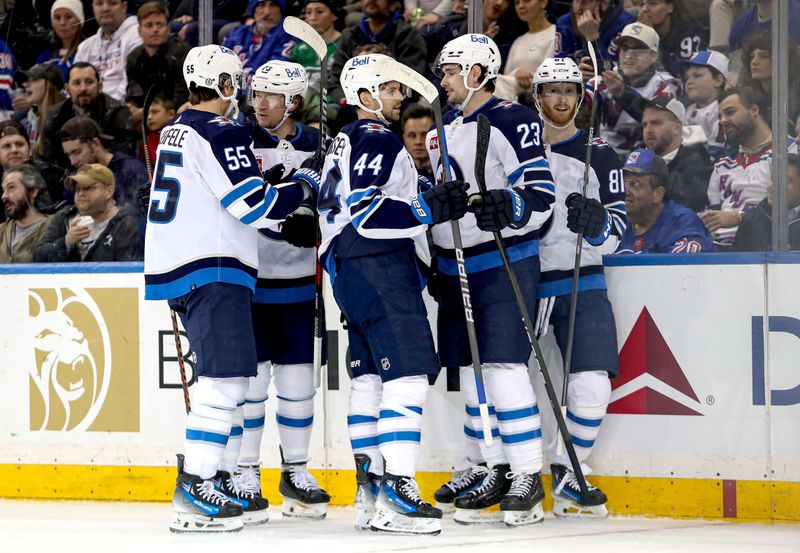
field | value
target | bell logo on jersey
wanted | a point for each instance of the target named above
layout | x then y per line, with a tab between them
650	382
84	374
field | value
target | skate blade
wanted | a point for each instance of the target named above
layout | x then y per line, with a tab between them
363	516
524	518
297	509
569	509
446	508
255	518
395	523
489	515
189	523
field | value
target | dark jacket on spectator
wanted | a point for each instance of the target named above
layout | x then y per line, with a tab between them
113	116
405	42
164	69
755	231
119	242
689	172
129	174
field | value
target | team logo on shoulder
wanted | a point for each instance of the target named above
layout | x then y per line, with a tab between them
375	127
222	120
505	104
385	363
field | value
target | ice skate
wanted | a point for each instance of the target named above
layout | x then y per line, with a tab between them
369	485
302	496
242	491
523	503
400	509
568	500
198	506
481	504
461	482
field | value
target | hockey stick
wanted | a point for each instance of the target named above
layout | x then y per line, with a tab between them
148	99
573	300
484	132
397	71
305	32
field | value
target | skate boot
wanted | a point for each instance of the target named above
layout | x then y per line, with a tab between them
249	498
368	486
302	496
198	506
461	482
481	504
523	503
400	509
568	500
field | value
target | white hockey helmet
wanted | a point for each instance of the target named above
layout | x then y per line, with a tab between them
359	74
557	70
212	67
280	77
467	51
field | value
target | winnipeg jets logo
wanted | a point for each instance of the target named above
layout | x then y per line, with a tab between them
222	120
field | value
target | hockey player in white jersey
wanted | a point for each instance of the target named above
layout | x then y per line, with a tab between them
283	303
207	201
519	201
600	216
373	223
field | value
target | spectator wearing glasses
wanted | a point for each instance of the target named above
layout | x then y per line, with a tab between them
704	80
680	37
657	224
625	90
94	229
24	193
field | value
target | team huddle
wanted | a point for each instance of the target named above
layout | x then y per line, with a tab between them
243	285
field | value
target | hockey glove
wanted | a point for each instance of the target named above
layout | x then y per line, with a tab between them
309	175
300	228
274	175
587	216
498	209
446	202
143	198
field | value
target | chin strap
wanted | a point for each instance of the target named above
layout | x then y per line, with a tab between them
465	74
376	112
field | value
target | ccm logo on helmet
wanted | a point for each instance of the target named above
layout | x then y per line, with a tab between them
479	38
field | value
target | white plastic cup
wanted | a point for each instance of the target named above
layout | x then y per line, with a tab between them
86	221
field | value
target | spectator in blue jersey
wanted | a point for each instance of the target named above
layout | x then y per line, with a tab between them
683	148
657	224
758	18
7	67
681	38
82	141
755	230
383	23
596	20
67	20
264	40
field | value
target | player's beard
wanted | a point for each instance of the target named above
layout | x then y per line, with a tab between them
558	118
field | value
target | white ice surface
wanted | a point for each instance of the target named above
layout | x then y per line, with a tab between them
66	527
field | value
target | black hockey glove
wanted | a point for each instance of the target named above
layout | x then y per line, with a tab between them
446	202
498	209
300	228
143	198
587	216
274	175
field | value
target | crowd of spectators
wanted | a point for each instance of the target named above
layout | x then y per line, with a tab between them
683	94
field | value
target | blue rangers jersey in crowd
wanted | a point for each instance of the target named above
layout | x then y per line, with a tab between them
368	183
515	158
678	229
570	45
557	246
7	66
285	272
207	201
255	49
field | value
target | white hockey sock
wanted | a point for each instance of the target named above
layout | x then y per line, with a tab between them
230	456
295	414
473	427
587	400
208	424
400	423
253	410
362	420
509	387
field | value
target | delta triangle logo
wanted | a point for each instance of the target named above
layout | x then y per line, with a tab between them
650	382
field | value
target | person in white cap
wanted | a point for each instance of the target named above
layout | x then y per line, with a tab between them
704	80
67	20
682	147
624	90
108	49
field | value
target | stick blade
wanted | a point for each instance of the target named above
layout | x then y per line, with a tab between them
305	32
396	71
